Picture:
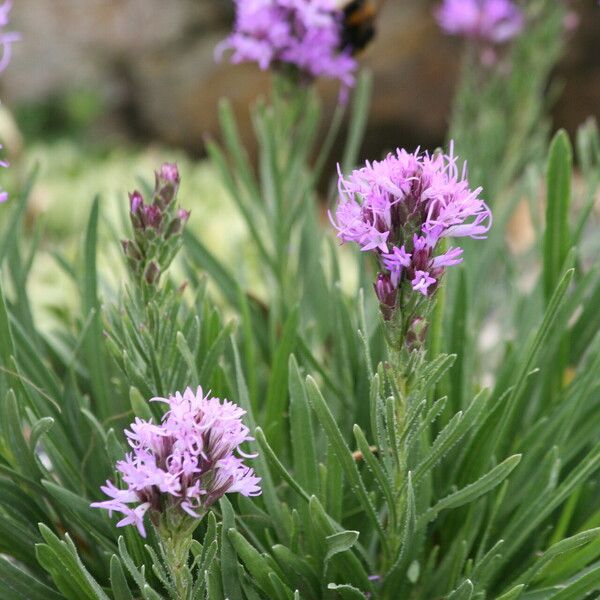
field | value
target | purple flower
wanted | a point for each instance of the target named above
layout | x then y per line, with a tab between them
185	463
3	194
7	38
306	34
400	209
491	21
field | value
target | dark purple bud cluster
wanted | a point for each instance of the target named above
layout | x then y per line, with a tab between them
157	227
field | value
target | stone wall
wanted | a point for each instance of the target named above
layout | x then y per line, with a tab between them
154	70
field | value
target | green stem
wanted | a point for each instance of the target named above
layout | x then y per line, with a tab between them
176	535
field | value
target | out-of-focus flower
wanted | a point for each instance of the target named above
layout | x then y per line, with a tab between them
400	209
7	38
488	21
185	463
3	194
306	34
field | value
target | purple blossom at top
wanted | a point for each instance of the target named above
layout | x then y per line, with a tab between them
186	463
304	33
7	38
400	208
491	21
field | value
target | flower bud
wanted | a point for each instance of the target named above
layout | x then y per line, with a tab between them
167	184
152	273
416	334
386	293
136	201
152	216
131	250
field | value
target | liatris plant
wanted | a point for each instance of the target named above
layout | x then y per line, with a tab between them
179	469
458	467
306	37
403	209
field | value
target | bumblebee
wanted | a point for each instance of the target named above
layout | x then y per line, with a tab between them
359	23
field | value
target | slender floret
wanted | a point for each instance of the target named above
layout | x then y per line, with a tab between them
7	38
487	21
304	34
185	463
400	209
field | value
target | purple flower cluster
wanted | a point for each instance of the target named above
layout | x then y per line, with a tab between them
7	38
489	21
186	463
400	209
304	33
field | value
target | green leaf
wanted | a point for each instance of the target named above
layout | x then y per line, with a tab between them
564	546
380	476
393	579
347	592
340	542
557	236
358	119
278	382
272	458
299	573
229	563
521	526
581	587
257	565
302	435
269	494
463	592
474	490
93	343
343	453
7	347
11	235
22	585
66	563
138	576
214	353
139	405
79	510
40	428
119	586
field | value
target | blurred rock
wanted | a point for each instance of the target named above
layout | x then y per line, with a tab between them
154	68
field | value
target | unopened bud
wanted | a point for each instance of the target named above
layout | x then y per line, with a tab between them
167	184
386	293
417	333
136	201
170	172
152	216
152	273
131	250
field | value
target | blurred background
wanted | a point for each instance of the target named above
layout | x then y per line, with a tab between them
144	71
100	92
